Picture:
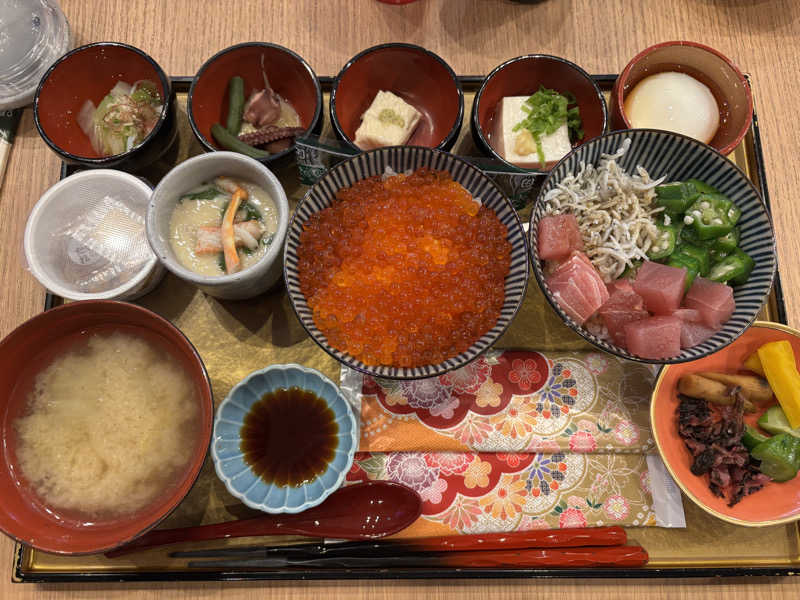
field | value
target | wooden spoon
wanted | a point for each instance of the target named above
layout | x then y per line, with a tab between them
364	511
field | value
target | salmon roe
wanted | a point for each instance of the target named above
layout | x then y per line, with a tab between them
405	271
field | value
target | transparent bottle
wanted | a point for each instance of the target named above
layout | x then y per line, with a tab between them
33	34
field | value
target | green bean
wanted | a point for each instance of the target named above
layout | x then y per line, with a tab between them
231	142
235	105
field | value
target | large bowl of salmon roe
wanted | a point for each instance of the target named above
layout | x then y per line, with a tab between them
405	262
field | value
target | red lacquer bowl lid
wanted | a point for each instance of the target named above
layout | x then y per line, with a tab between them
775	503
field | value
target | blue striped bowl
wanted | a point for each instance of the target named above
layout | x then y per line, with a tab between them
402	158
229	462
679	158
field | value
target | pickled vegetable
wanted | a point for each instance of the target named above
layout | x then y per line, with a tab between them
780	367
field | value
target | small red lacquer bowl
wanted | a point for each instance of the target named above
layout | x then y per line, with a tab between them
523	76
726	82
411	72
288	74
89	73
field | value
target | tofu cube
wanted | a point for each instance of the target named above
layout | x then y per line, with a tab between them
508	113
389	121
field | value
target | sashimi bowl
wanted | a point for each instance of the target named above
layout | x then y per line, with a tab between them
609	246
395	290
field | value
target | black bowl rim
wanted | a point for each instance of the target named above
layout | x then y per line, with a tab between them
613	348
72	306
208	147
451	137
367	370
114	159
477	130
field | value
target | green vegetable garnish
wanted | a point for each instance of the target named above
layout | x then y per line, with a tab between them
547	110
208	193
387	115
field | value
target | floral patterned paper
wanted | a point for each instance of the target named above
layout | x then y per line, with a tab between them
467	492
514	401
515	440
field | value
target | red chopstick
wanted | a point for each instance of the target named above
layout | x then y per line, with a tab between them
550	538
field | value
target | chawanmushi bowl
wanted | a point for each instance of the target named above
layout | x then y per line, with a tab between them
248	282
29	349
400	159
522	76
288	73
726	82
418	76
94	69
680	158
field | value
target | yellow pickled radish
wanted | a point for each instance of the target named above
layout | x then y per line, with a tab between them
780	368
753	363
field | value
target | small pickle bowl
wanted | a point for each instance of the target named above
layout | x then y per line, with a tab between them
95	69
523	76
678	158
229	460
85	238
776	502
418	76
248	282
723	78
288	74
401	159
29	349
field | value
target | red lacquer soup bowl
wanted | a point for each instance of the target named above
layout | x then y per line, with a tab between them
25	352
775	503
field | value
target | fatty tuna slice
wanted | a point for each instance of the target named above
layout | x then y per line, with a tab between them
559	235
577	287
714	301
654	337
661	287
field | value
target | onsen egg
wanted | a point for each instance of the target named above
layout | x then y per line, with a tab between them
676	102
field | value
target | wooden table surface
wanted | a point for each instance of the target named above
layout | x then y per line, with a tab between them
474	36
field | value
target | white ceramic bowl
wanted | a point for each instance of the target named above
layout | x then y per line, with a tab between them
88	229
192	172
239	478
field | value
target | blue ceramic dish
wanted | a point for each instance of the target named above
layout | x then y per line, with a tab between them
229	462
680	158
402	158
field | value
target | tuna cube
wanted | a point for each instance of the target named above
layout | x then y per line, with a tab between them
714	301
623	306
688	315
695	333
660	286
654	337
559	236
616	319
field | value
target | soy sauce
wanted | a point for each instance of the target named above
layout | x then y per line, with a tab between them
289	437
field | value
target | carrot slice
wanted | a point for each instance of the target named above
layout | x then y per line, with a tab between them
232	262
